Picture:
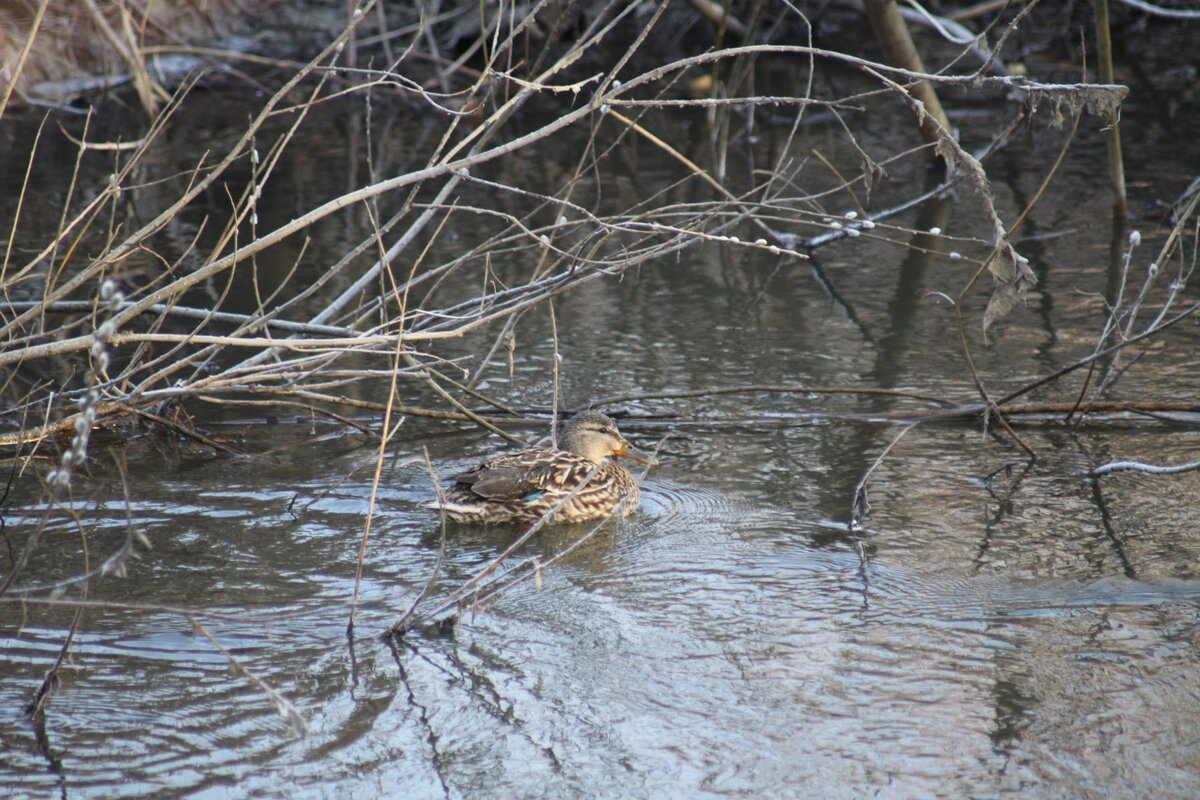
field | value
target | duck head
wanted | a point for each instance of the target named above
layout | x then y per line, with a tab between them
595	437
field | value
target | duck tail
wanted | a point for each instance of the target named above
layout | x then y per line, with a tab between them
450	507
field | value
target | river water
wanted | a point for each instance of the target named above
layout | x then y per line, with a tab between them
996	628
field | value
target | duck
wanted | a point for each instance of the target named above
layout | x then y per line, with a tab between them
523	487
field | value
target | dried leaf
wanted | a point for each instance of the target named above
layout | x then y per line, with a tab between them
1013	277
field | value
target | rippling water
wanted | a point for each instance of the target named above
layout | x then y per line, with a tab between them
726	640
996	628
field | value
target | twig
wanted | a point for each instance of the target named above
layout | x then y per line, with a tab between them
1083	362
461	592
401	625
555	396
1137	466
1159	11
763	388
860	507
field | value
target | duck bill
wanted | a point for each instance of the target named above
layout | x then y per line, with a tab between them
629	452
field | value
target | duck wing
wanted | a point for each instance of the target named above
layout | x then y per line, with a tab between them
498	481
522	476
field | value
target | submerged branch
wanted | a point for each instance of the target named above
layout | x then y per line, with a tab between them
1137	466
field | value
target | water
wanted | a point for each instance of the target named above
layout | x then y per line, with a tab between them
1013	630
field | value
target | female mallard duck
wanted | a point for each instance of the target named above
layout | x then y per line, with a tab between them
522	487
